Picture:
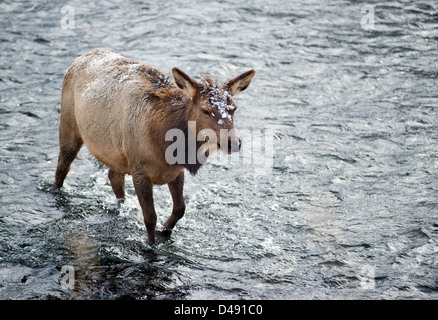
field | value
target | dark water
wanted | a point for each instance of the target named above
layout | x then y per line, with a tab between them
348	208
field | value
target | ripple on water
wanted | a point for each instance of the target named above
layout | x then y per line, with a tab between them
348	202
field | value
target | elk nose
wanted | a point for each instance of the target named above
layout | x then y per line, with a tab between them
234	144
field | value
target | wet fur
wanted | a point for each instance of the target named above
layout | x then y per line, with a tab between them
121	109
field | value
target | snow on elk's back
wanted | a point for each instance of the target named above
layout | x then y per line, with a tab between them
218	97
110	72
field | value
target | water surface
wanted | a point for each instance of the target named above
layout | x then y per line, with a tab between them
348	209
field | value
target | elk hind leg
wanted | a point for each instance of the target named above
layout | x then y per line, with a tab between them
117	180
68	150
70	139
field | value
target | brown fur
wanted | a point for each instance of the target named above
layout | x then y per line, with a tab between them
122	109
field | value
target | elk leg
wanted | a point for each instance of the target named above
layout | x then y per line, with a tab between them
143	189
117	180
67	153
176	190
70	140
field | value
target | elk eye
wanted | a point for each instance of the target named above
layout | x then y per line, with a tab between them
205	111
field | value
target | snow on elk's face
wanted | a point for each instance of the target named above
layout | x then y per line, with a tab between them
216	116
215	108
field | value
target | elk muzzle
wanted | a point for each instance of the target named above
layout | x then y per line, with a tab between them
230	145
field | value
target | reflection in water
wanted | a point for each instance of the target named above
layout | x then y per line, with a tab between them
112	268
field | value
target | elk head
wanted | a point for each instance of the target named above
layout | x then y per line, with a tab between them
213	109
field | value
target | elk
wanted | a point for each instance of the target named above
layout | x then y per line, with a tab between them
122	109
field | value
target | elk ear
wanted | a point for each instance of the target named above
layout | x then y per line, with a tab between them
184	82
240	83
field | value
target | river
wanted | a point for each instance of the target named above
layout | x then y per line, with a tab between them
344	207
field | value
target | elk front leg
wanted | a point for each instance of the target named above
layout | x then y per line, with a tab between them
176	190
143	188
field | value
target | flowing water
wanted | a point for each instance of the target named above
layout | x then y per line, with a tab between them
345	206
